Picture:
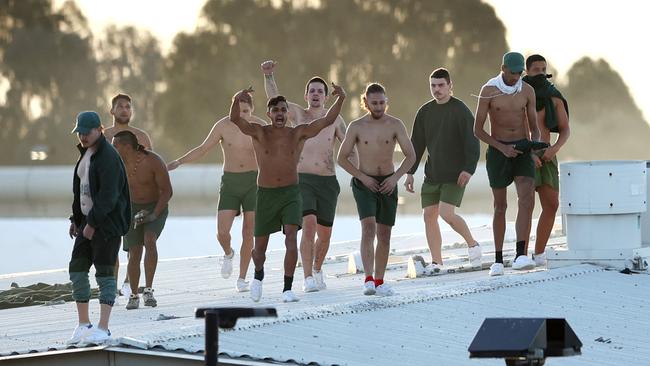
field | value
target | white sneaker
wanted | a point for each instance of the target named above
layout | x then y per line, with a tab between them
384	290
475	254
496	269
242	285
126	290
320	280
97	336
256	290
310	285
540	259
431	269
226	266
289	296
522	263
369	288
79	333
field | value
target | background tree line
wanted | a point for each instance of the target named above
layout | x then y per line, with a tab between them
52	66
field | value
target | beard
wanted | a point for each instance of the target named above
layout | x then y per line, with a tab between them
122	121
377	115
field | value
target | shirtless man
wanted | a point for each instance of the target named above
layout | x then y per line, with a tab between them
122	112
150	190
238	186
317	176
553	116
279	203
374	183
510	103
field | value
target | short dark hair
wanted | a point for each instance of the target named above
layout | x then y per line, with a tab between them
118	97
533	58
315	79
128	138
275	101
441	73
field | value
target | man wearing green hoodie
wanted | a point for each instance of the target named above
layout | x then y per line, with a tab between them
101	215
553	115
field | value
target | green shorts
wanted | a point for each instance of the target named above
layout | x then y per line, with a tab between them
237	191
383	207
277	207
136	236
548	175
502	170
319	196
432	194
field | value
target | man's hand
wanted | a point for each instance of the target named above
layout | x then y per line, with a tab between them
463	179
74	230
173	165
268	67
408	183
549	154
536	160
338	91
89	232
369	182
143	217
388	185
509	151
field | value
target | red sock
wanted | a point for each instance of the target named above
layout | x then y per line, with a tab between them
379	282
369	279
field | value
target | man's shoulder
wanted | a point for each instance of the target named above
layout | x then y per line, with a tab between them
393	120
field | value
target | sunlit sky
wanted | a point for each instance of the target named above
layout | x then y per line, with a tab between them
563	31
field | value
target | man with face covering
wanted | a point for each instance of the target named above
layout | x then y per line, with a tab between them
553	116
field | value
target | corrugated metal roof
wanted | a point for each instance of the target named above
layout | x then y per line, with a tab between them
432	320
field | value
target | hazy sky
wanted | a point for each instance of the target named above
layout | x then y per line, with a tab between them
612	30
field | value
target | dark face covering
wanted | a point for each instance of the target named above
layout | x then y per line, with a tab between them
544	92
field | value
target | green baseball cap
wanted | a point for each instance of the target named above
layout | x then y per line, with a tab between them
86	121
514	61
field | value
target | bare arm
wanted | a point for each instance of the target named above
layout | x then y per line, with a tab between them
210	141
347	147
563	129
531	112
407	148
250	129
340	135
164	186
481	117
271	89
312	129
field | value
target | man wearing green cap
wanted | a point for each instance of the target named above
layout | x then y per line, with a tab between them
101	216
510	103
553	114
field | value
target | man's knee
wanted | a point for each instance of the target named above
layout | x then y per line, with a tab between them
223	236
80	286
107	289
368	228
